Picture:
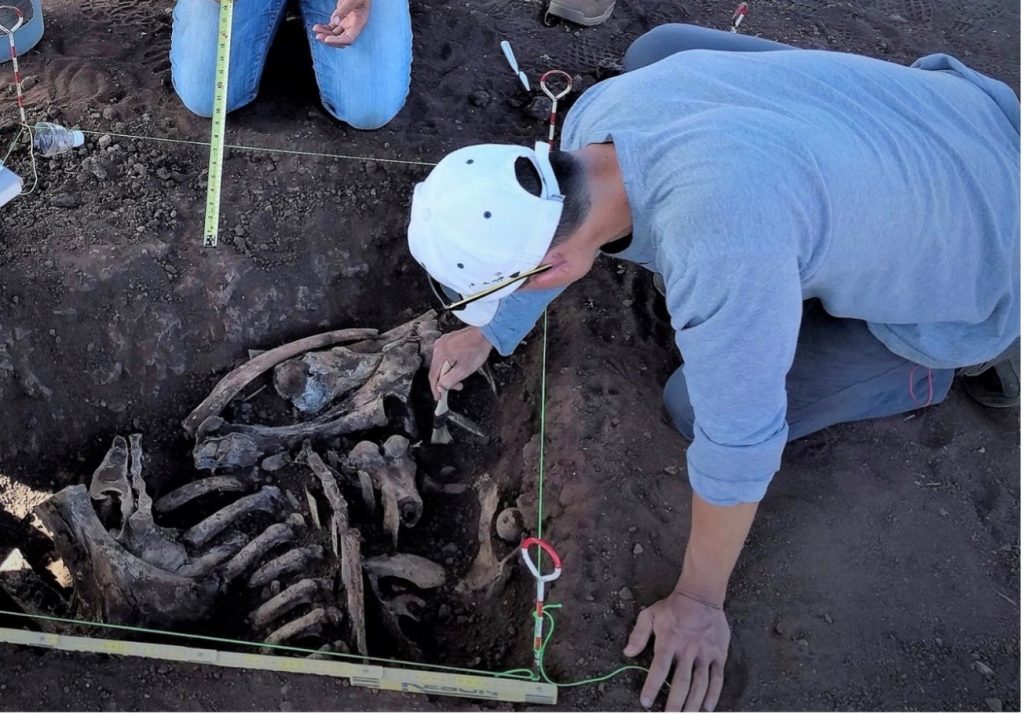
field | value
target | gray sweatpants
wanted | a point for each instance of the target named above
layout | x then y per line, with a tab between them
841	372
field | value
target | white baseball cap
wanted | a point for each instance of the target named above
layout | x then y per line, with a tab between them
474	225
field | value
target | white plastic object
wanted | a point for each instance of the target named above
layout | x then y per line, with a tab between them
510	57
10	185
51	139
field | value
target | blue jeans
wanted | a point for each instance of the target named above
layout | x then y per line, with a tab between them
364	85
841	372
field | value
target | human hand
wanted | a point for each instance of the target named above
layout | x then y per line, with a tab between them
465	350
348	20
692	634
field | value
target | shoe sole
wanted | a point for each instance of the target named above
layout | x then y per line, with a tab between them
567	13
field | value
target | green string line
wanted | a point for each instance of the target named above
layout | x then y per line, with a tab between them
539	655
515	674
264	148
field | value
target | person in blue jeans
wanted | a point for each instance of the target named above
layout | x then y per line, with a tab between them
362	54
835	236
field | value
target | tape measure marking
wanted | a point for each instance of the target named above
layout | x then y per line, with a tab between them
220	105
405	680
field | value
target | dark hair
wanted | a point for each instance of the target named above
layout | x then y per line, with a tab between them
572	184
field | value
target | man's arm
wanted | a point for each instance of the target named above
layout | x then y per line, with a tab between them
737	318
690	624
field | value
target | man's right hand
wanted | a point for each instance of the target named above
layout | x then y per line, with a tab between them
465	351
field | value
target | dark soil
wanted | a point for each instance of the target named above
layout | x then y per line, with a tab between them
884	564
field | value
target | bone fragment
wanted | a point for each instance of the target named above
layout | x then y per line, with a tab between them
151	543
111	480
406	604
314	623
267	499
237	379
392	519
394	471
243	562
314	510
366	489
316	379
422	572
114	585
300	593
352	580
330	485
297	560
435	487
229	451
486	571
184	495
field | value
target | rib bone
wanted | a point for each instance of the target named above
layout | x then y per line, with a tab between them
313	623
409	567
245	559
267	499
296	560
182	496
300	593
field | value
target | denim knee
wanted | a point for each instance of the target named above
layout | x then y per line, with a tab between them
369	115
677	403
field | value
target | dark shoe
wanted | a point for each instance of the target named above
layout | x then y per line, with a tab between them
582	12
994	384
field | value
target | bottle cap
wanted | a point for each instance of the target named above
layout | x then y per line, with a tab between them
77	138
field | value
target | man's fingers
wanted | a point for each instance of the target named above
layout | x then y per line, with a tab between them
660	667
680	685
343	40
640	635
716	677
698	688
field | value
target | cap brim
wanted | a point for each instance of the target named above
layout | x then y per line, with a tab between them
478	313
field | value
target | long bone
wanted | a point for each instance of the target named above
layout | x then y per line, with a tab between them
184	495
241	376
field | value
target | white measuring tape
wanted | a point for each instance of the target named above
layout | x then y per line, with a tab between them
220	106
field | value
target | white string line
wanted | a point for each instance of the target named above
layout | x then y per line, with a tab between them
266	149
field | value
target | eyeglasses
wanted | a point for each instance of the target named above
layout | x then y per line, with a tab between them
453	300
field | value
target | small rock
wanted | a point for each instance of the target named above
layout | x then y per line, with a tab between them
672	470
444	612
896	17
627	302
994	704
510	525
29	82
637	549
828	619
779	629
480	98
625	594
539	108
64	201
110	114
163	174
983	668
802	642
448	471
286	706
104	141
633	529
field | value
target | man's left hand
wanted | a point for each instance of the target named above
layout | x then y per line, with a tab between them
692	635
348	20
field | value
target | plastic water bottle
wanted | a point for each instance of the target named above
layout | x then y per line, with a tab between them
10	185
51	139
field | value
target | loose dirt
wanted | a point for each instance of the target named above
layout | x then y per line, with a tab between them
884	564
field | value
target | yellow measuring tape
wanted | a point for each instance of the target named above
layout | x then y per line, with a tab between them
405	680
220	106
